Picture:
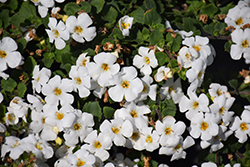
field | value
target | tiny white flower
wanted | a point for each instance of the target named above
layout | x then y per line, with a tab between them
81	158
183	33
125	23
83	60
148	90
187	56
40	78
163	73
145	60
237	17
216	90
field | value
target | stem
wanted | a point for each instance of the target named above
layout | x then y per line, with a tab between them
240	156
168	53
240	92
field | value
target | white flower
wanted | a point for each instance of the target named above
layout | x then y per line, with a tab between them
127	85
79	27
1	97
242	46
243	3
8	54
187	56
235	165
18	107
242	126
3	75
40	78
125	23
163	73
169	131
237	17
208	164
194	105
148	90
183	34
83	60
81	80
172	90
145	60
203	126
98	144
216	90
56	90
121	161
81	158
104	68
57	32
177	151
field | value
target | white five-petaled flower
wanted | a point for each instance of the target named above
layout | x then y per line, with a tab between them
104	68
83	60
125	23
81	158
8	54
163	73
148	90
57	90
215	90
242	126
187	56
40	78
145	60
242	46
127	85
79	28
57	32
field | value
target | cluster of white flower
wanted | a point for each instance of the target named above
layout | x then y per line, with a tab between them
239	18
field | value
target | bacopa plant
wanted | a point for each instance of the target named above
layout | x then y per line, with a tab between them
124	83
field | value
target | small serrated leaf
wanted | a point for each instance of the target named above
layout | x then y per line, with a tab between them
162	58
98	4
138	15
93	108
21	88
8	85
108	112
155	36
151	17
71	8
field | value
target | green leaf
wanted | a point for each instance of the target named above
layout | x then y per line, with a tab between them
13	4
182	74
90	52
149	4
168	108
21	88
233	83
108	112
138	15
21	44
117	33
110	15
209	9
155	37
220	26
48	59
224	10
8	85
145	33
2	111
59	72
176	43
98	4
71	8
66	58
153	163
227	46
4	16
162	58
93	108
29	64
195	6
209	28
189	24
85	6
151	17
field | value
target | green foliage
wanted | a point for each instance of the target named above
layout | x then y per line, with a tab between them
162	58
21	89
93	108
108	112
110	15
98	4
138	15
167	108
4	17
71	8
8	85
85	6
155	37
29	64
233	83
151	17
209	9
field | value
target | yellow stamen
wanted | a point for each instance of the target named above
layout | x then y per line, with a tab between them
43	120
11	117
135	136
80	162
97	144
145	89
188	56
168	131
149	139
39	146
105	67
204	125
177	147
115	130
55	33
77	126
84	62
222	110
218	92
125	84
133	113
239	21
57	91
59	115
170	89
124	25
147	60
16	144
197	47
243	126
245	44
78	29
195	104
78	80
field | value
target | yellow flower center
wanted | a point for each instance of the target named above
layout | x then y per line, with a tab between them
84	62
59	115
97	144
218	92
55	33
168	131
39	146
188	56
239	21
57	91
204	126
133	114
105	67
78	29
145	89
177	147
115	130
147	60
16	101
16	144
80	162
77	126
243	126
124	25
195	104
222	110
245	44
125	84
78	80
170	89
43	120
197	47
149	139
37	79
11	117
135	136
